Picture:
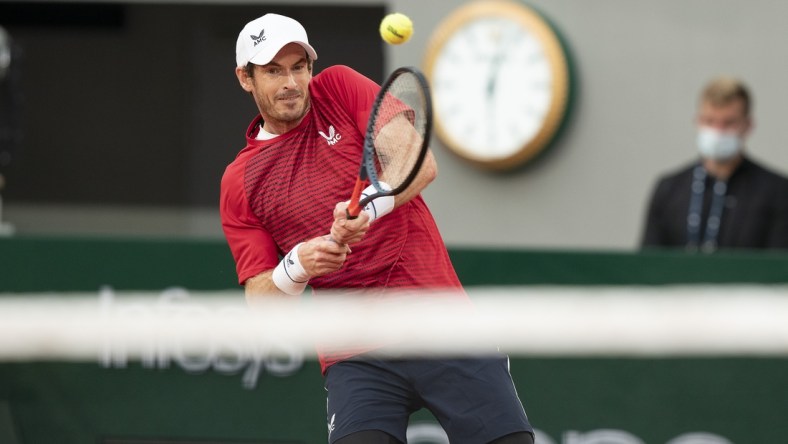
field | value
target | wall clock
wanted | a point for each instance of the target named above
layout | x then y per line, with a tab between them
500	81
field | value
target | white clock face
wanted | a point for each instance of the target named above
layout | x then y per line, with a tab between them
500	82
492	87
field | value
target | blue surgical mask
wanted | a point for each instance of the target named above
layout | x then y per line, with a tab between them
717	145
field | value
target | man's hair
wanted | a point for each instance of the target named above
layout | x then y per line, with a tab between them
249	68
724	90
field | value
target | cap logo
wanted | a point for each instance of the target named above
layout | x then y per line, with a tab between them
258	38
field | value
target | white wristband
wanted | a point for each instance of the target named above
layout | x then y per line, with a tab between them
290	276
380	206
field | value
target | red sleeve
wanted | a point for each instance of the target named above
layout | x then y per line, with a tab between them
356	93
252	246
391	107
353	91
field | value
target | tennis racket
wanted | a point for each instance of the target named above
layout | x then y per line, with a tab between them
396	140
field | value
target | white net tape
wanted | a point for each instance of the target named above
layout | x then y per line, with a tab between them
544	321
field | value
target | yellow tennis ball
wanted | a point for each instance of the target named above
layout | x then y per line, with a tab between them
396	28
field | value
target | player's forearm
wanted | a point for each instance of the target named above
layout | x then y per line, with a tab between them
427	173
260	287
313	258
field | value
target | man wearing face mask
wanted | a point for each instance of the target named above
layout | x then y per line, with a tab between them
725	199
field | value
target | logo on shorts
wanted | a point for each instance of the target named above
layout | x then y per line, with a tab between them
332	137
331	425
258	38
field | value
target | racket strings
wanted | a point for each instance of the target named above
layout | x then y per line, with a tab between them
400	130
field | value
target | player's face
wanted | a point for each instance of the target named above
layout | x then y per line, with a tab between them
281	89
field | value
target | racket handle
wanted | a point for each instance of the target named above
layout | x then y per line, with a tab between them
353	208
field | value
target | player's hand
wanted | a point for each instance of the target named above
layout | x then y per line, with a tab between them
348	231
321	255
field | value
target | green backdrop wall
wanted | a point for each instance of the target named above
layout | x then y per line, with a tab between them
264	399
85	264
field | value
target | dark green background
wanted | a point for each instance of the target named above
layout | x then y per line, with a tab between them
85	264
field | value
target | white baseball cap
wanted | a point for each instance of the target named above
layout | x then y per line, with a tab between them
263	37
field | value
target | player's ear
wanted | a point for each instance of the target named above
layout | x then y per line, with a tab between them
244	79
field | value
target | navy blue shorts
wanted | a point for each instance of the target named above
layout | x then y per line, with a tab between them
474	399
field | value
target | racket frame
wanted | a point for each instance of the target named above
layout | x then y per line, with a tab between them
368	172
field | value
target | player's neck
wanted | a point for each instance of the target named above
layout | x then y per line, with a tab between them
279	127
722	170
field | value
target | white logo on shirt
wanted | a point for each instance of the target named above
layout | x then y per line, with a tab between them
332	137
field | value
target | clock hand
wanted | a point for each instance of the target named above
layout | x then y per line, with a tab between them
494	67
492	77
492	83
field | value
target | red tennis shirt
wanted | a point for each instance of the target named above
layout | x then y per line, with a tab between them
280	192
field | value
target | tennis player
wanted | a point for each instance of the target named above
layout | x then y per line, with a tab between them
284	196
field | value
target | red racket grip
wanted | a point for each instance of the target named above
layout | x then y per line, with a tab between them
353	208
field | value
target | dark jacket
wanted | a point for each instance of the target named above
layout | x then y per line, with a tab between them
755	215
